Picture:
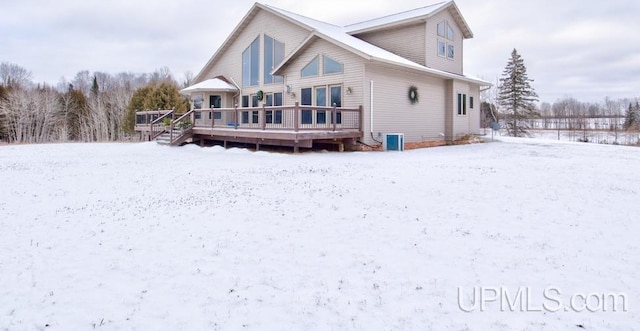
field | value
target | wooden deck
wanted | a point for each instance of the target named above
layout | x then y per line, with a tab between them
295	126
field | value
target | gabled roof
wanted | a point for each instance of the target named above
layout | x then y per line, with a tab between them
342	37
213	84
411	16
339	36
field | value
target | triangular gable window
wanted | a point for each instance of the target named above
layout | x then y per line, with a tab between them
331	66
311	69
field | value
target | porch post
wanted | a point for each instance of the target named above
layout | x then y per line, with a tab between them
334	119
296	116
263	120
360	115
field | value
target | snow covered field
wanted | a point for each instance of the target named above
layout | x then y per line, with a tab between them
148	237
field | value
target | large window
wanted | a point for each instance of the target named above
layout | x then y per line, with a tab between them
251	64
311	69
462	104
245	114
446	46
273	116
321	96
331	66
273	56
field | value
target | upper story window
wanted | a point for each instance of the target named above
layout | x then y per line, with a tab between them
331	66
273	56
311	69
446	47
251	64
445	30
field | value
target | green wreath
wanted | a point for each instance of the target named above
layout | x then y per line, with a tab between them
260	95
413	94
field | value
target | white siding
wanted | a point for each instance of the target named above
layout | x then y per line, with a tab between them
406	41
350	78
394	113
432	58
469	123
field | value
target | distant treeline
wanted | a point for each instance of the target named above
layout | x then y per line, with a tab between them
91	107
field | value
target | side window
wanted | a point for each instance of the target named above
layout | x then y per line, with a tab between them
306	100
311	69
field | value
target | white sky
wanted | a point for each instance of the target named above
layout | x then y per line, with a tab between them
584	49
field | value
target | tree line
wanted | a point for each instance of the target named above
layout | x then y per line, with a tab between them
512	101
91	107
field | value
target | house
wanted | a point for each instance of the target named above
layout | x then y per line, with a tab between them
285	79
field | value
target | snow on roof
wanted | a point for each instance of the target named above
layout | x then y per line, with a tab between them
213	84
334	33
396	18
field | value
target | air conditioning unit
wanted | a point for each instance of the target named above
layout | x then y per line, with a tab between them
393	142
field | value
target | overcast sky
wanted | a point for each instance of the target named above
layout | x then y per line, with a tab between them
584	49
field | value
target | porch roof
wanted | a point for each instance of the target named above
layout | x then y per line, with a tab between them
210	85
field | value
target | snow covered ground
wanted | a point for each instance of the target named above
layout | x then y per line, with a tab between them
148	237
599	137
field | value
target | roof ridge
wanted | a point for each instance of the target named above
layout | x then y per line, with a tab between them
398	13
300	15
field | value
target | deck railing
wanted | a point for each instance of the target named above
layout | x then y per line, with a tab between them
293	118
158	126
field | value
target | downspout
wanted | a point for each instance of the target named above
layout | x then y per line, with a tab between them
371	112
239	90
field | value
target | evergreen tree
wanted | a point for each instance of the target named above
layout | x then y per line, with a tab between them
94	86
632	118
516	95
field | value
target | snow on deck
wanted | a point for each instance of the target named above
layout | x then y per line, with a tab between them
148	237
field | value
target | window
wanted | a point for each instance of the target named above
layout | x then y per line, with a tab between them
305	100
470	102
255	114
251	64
321	101
445	30
442	48
197	102
215	101
331	66
462	104
311	69
336	101
325	96
441	29
273	56
446	48
245	104
273	116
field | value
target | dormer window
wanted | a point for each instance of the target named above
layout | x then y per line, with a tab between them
446	36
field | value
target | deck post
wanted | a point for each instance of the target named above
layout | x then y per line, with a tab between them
334	119
263	120
360	117
235	117
213	120
296	116
171	131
